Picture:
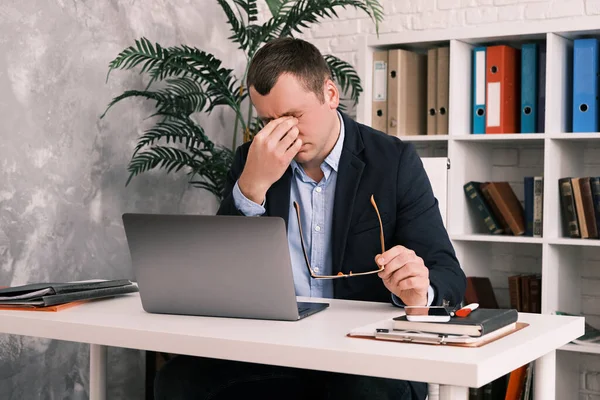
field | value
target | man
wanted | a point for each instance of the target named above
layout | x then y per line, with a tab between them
310	153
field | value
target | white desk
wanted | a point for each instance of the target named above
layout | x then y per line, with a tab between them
317	342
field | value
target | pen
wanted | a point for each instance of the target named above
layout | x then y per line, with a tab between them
466	310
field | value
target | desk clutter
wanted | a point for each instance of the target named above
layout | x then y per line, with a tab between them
60	295
480	327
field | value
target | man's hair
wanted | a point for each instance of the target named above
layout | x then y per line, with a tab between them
288	55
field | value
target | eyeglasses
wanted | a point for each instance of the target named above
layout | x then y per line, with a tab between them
340	274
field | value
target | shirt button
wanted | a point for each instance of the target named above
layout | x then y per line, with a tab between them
318	228
318	189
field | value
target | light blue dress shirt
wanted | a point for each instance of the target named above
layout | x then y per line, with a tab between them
316	201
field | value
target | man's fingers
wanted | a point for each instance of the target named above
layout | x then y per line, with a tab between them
293	149
288	139
398	262
388	256
269	127
408	270
281	130
414	282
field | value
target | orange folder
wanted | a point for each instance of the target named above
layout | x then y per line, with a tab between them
502	91
54	308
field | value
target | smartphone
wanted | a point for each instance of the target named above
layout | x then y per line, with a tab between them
427	314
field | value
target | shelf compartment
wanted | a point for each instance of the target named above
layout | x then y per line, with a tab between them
498	261
488	162
566	158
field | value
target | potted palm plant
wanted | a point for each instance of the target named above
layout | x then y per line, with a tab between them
184	80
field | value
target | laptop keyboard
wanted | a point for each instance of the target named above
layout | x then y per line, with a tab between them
303	307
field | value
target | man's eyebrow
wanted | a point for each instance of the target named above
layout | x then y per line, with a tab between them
285	114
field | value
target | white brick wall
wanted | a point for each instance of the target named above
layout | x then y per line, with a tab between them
339	38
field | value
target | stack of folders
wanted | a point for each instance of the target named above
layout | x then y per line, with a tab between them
411	91
481	326
55	296
508	89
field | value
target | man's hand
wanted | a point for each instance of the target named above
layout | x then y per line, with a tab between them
405	275
270	154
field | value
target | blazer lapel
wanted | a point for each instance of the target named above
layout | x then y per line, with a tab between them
278	197
349	173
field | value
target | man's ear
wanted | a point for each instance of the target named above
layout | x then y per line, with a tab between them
332	94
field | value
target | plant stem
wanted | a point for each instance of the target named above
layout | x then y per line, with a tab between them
243	85
235	128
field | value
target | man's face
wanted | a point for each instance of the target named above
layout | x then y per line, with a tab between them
316	120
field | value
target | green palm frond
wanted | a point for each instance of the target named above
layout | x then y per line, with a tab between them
275	6
376	13
306	12
169	158
132	56
250	7
180	61
183	95
237	26
212	168
346	76
173	128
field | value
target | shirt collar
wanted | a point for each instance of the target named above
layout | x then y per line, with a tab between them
333	158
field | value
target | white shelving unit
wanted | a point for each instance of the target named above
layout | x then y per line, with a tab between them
558	259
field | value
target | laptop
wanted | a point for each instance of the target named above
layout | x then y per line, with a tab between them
213	265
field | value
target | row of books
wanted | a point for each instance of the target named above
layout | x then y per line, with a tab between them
508	93
502	212
580	206
411	91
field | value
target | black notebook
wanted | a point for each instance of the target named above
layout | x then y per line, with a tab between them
49	294
477	323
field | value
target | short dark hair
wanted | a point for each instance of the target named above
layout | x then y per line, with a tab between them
288	55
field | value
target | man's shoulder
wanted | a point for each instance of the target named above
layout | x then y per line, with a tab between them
378	142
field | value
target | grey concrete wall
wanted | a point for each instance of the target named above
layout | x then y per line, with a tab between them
63	170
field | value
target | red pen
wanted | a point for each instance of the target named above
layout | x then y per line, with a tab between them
466	310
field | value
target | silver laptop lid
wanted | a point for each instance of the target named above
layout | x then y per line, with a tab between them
225	266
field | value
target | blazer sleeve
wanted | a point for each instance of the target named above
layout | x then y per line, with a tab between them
420	227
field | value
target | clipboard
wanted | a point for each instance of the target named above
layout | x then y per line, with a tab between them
382	330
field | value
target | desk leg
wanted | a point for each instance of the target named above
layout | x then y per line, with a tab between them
97	372
448	392
544	377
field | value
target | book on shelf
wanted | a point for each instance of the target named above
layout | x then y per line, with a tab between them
580	206
502	212
525	292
